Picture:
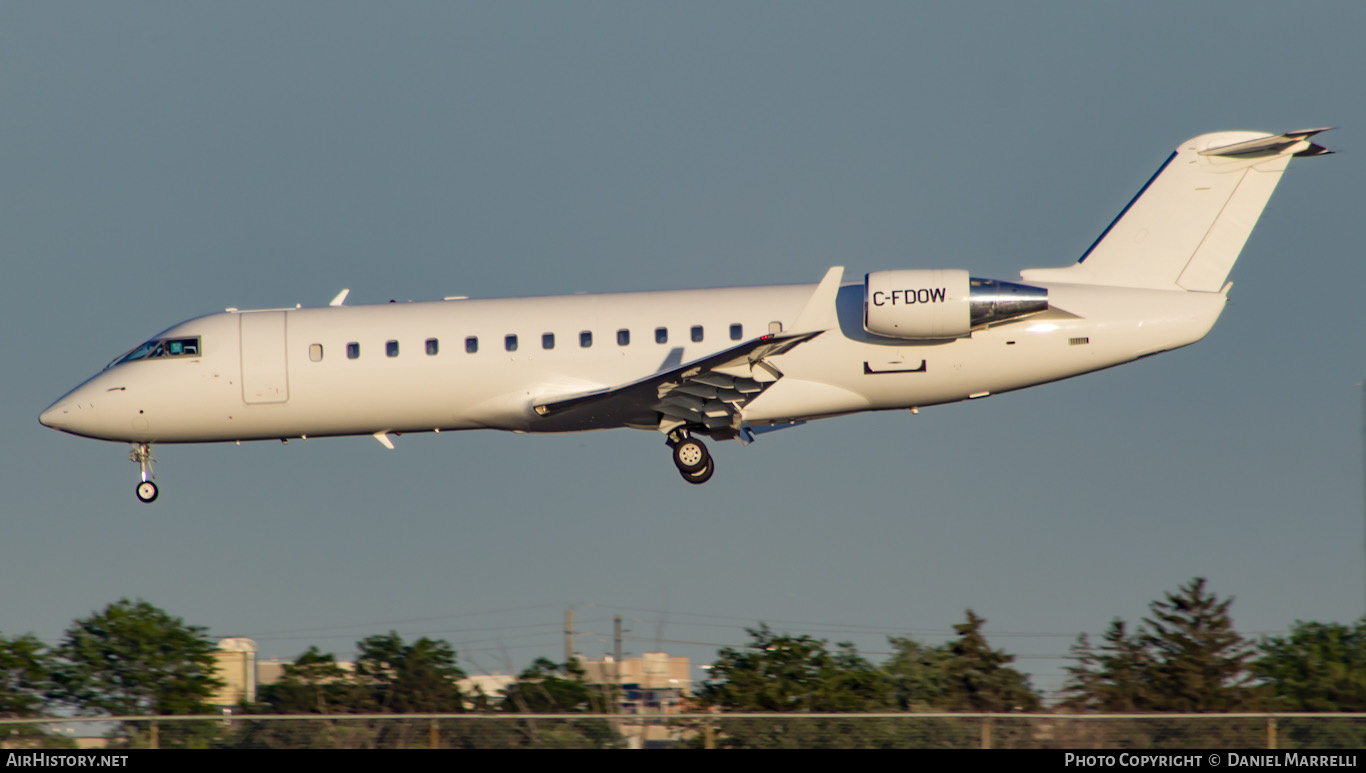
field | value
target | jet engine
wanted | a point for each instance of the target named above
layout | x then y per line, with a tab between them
943	303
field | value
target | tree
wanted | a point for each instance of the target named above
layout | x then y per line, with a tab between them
1185	657
799	674
24	664
979	678
1116	677
312	684
1318	667
1199	662
389	677
410	678
547	687
916	670
793	673
920	683
133	658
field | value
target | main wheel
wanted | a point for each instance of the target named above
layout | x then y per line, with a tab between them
701	476
147	491
690	455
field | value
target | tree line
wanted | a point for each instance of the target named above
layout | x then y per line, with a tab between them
1184	656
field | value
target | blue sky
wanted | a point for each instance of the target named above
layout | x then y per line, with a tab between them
164	160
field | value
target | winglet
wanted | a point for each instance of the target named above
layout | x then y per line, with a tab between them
820	313
341	298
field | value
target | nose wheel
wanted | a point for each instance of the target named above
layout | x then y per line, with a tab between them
147	491
692	459
142	454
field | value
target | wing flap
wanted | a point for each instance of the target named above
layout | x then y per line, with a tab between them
665	385
708	393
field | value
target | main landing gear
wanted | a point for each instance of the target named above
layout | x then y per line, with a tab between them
691	458
142	454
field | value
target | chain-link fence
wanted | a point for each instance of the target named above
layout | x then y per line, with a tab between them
719	731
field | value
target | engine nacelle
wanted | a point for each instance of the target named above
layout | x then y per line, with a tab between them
943	303
918	304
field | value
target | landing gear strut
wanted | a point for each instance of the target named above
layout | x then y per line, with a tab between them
142	454
691	458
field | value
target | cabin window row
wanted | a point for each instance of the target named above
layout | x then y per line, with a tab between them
510	342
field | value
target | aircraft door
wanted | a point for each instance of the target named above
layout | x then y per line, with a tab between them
265	375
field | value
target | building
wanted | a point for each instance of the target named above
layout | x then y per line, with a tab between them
236	662
653	683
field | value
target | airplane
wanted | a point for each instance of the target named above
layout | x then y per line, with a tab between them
727	363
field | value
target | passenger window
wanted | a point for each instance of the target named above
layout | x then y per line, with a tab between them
391	348
697	334
737	331
661	335
315	352
472	344
431	346
775	327
510	343
352	350
547	340
586	339
623	337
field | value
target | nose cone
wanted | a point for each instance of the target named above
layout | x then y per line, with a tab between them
57	416
73	412
91	410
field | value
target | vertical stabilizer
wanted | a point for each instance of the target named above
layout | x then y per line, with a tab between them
1186	226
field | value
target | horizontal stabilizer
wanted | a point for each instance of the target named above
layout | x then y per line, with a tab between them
1296	141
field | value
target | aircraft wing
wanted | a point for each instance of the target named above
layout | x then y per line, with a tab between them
705	393
697	393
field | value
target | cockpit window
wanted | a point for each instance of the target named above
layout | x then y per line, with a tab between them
166	347
188	347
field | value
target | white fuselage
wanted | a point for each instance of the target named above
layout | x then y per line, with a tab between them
723	363
286	373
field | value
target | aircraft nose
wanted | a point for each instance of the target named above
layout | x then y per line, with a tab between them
58	416
73	412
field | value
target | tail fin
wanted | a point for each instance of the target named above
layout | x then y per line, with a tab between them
1186	226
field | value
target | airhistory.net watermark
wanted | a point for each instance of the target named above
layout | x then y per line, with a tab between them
52	760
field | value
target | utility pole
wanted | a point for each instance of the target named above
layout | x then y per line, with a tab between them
616	649
568	635
616	637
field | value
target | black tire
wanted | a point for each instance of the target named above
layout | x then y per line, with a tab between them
146	491
690	456
701	476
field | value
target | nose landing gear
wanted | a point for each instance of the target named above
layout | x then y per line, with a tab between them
692	459
142	454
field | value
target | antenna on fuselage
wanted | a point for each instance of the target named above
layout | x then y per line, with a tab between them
341	298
